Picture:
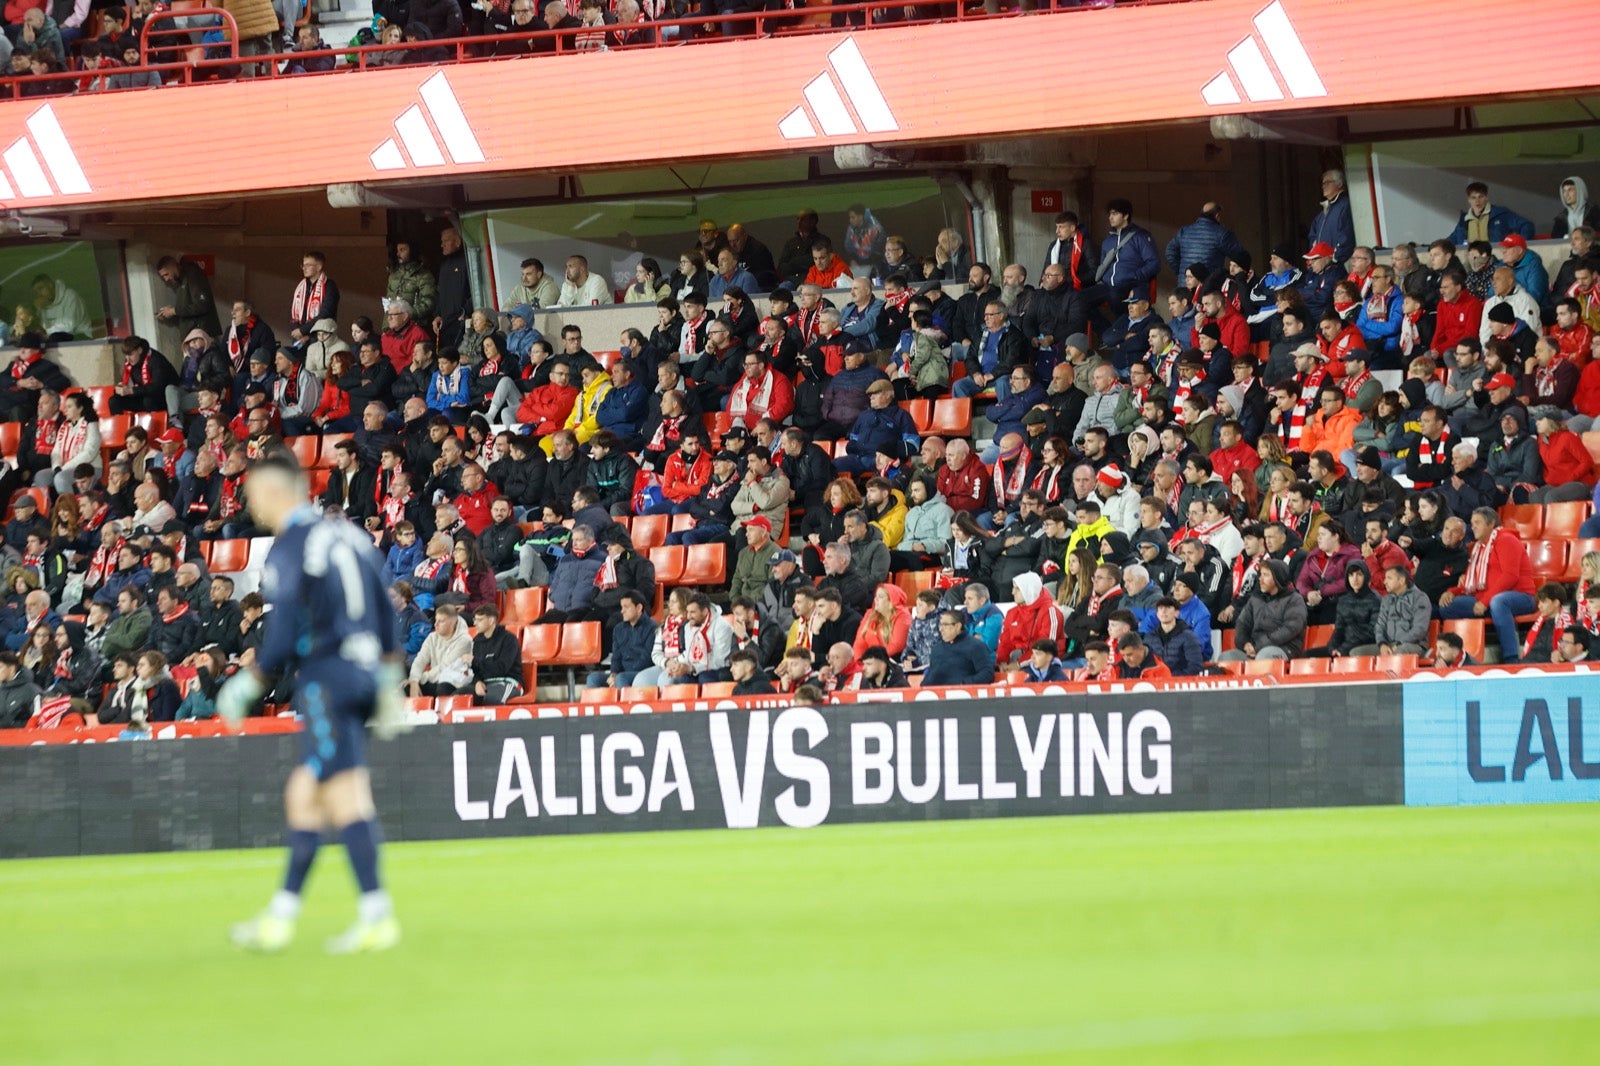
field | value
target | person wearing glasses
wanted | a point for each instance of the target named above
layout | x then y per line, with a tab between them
999	350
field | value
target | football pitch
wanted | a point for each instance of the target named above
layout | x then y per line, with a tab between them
1336	936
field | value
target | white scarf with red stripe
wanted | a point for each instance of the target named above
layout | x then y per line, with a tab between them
607	577
1477	575
1410	338
1586	613
1048	481
1353	382
1244	572
77	434
1008	488
686	346
308	296
752	400
1426	453
1096	601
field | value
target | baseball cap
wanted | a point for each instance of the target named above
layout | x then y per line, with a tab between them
1358	353
725	457
1501	380
1138	296
170	435
784	555
760	521
1320	250
1513	240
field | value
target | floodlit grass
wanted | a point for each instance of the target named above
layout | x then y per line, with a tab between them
1341	936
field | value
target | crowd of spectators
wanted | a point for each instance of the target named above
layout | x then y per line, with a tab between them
102	42
1134	486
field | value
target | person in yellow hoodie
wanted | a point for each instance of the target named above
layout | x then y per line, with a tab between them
584	419
886	508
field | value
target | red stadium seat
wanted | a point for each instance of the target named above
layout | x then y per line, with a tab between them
1308	667
453	703
1318	636
1576	550
705	564
681	523
952	417
541	644
636	693
580	644
1549	558
101	395
1471	632
1561	520
419	703
114	431
669	562
717	423
10	438
717	689
912	582
680	692
921	412
229	556
152	422
1352	664
305	449
648	531
1591	441
522	605
1401	665
1526	518
1266	667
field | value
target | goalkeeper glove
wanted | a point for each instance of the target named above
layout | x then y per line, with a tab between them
390	717
239	694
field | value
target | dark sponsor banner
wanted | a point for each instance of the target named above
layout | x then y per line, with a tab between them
796	766
1503	740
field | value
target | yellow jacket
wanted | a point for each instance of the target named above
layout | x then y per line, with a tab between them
583	420
892	523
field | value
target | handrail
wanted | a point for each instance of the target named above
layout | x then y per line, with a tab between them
467	49
155	30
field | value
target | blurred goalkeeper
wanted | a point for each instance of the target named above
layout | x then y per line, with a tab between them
332	630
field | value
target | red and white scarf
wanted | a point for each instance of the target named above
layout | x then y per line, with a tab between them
1048	481
1378	305
231	501
1185	388
686	341
1293	425
1544	379
1244	572
1206	530
1476	578
21	368
138	373
1433	452
1353	382
1098	600
1277	507
1586	612
1166	361
177	612
430	568
750	400
672	638
308	295
1410	338
394	509
670	429
103	564
1563	622
237	335
73	440
697	645
607	577
1311	385
1008	487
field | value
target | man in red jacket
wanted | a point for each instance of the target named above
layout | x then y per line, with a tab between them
1498	582
1458	316
1569	472
963	480
477	496
1235	330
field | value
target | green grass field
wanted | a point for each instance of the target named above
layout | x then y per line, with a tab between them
1341	936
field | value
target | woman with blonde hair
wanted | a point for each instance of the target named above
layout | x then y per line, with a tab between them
1587	602
1275	500
886	624
1077	581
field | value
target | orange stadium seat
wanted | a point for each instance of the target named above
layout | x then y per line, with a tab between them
681	523
921	412
522	605
114	431
717	689
228	556
453	703
305	449
1402	665
1317	636
1305	667
669	562
101	395
10	438
1576	550
1549	558
1266	667
1561	520
680	692
635	693
952	417
648	531
152	422
317	479
580	644
1352	664
1526	518
705	564
541	644
1471	632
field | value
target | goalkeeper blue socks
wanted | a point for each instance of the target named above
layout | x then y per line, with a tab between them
360	839
303	844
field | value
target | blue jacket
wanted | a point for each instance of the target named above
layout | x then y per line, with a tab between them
1007	414
1205	241
1180	649
402	561
1382	334
862	324
519	342
1318	290
742	279
572	583
1133	266
442	395
1532	276
623	410
1333	225
117	580
1502	221
1131	340
985	625
966	661
632	646
892	426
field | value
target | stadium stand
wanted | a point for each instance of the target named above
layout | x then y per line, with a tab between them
1053	462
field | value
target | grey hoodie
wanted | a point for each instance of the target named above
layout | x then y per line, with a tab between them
1403	619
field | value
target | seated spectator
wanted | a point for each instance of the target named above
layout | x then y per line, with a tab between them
496	659
1569	471
1137	661
155	696
443	666
1271	625
1498	581
877	671
1551	620
958	658
1173	640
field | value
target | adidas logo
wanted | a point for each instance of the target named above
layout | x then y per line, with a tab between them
421	140
1255	75
22	162
847	70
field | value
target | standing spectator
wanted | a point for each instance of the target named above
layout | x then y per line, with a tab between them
410	281
315	297
454	291
1483	221
1205	240
1333	225
1128	259
1576	210
193	306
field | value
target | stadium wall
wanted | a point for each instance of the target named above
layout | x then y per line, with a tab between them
800	767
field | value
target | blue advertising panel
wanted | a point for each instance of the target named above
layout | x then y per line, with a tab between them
1502	740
